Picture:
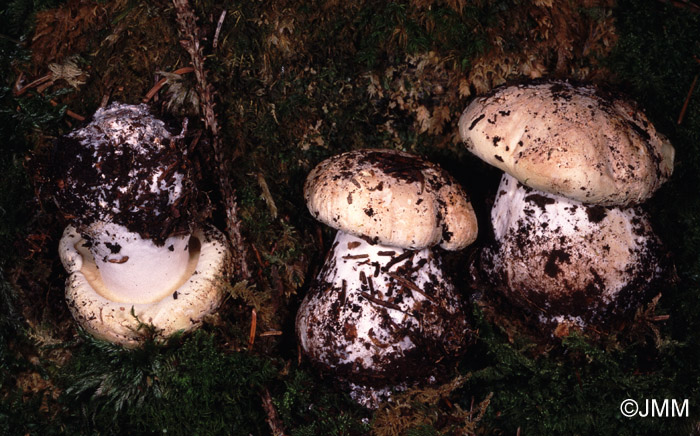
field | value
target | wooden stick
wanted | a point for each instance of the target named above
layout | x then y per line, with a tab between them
682	4
37	82
54	103
386	304
410	285
153	91
258	258
273	420
18	80
253	326
191	42
401	257
271	333
218	28
69	112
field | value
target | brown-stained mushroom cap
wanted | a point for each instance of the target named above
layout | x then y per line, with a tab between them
125	167
570	140
391	197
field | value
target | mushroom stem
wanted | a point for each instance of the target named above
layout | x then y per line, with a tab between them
366	313
567	261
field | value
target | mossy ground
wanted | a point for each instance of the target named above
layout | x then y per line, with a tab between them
298	81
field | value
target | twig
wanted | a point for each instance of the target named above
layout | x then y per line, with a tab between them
69	112
36	82
273	419
682	4
161	82
191	43
267	195
687	99
382	303
41	88
257	256
271	333
410	285
9	38
18	80
253	327
356	256
46	81
400	258
218	28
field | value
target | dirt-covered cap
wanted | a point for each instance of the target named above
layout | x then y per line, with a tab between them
391	197
126	167
572	140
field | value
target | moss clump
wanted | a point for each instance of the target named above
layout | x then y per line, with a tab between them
307	407
577	387
188	386
423	411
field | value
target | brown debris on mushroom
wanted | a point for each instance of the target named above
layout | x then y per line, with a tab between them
570	263
572	140
392	197
381	312
126	185
570	247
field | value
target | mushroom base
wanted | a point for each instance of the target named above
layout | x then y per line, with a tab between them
568	263
121	322
379	315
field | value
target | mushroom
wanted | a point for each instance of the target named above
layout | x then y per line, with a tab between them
381	311
135	241
571	246
110	316
572	140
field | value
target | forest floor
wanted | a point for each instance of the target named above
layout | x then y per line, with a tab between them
295	82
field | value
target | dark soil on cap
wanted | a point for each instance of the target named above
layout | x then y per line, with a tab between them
79	183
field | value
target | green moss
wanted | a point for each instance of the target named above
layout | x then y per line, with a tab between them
188	386
577	387
307	407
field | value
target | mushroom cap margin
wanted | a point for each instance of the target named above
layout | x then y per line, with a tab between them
391	197
571	140
113	321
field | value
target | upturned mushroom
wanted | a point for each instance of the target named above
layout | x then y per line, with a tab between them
381	310
135	248
571	245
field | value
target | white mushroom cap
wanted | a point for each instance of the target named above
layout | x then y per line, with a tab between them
393	198
380	314
198	295
569	140
564	259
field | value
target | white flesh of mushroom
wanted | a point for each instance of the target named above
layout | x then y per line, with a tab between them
133	269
